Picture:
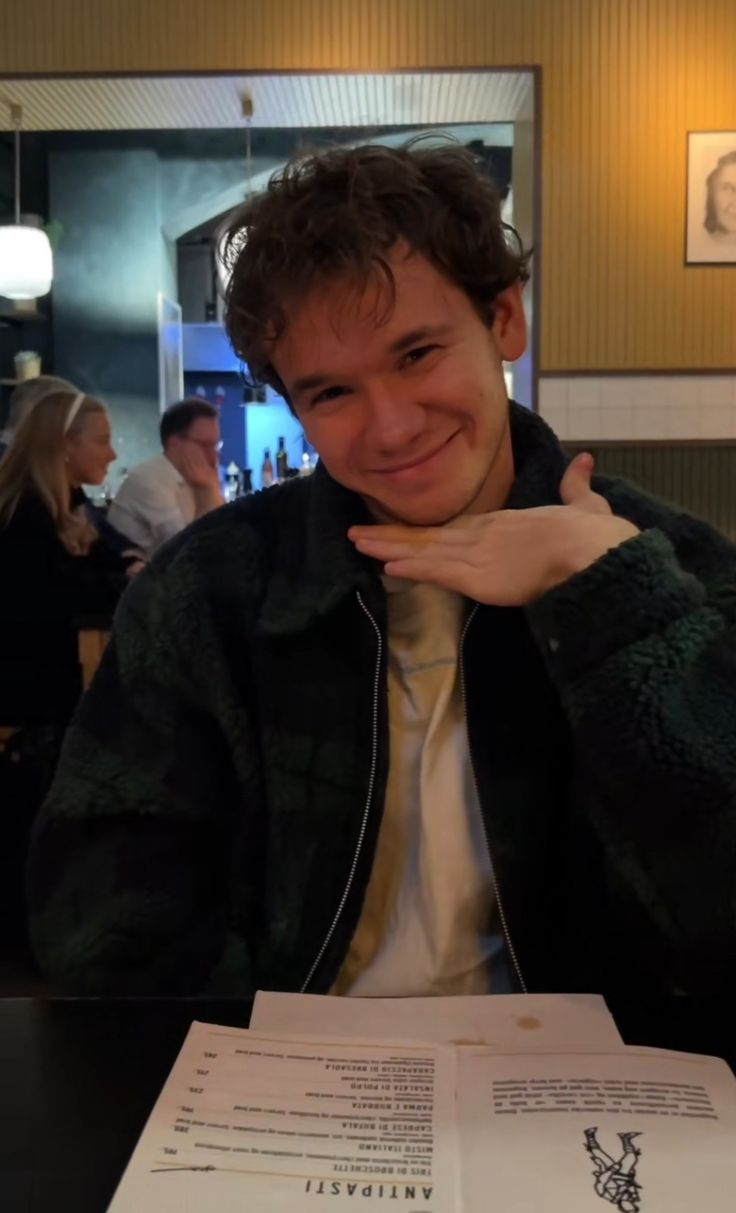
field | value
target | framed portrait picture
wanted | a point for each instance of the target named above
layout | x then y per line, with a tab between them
710	237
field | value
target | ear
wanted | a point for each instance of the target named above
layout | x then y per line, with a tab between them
509	323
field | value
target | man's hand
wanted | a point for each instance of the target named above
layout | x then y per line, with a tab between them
195	467
201	474
511	557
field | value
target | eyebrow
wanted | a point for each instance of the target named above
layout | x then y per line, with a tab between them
414	337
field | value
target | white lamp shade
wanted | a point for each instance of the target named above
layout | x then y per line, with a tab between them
224	269
26	262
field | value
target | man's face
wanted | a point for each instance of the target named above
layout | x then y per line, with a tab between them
407	405
203	433
724	198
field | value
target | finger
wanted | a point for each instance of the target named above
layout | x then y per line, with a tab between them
452	575
576	481
419	537
575	486
387	549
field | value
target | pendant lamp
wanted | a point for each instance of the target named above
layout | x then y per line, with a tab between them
26	262
224	261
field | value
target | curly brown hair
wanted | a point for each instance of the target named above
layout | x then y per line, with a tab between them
336	214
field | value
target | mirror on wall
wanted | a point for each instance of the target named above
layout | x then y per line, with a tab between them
132	178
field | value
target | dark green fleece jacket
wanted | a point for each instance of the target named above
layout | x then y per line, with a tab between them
213	821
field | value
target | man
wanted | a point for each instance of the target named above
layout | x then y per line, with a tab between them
160	497
22	399
441	717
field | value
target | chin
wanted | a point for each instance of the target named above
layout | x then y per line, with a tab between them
419	513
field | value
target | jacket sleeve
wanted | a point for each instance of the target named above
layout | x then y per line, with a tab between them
128	868
643	654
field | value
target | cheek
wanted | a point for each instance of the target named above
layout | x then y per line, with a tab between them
467	386
93	458
331	437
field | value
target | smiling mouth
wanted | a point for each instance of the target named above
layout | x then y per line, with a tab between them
415	463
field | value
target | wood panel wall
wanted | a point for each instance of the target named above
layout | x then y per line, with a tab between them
622	82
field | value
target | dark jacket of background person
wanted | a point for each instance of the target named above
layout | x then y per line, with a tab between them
213	822
46	592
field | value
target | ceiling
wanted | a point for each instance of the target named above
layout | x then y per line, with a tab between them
215	102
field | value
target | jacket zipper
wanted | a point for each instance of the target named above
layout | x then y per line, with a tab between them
369	798
499	902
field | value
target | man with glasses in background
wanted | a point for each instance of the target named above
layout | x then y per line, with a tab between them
163	495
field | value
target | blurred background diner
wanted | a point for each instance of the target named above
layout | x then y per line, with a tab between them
163	495
22	400
63	568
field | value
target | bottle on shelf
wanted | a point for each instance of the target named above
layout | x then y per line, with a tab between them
282	462
306	467
267	469
232	481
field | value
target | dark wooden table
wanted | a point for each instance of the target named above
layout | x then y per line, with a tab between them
78	1078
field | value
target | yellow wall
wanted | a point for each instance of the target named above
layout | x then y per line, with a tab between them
623	80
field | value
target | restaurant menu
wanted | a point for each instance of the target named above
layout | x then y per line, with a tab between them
269	1123
248	1121
509	1023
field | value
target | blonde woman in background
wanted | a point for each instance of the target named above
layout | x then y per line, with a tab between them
59	563
24	397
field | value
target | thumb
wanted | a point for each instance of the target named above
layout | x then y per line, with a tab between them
575	485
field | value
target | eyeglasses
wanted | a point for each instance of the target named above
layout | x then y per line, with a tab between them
206	446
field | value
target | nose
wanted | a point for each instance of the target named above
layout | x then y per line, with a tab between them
112	455
395	421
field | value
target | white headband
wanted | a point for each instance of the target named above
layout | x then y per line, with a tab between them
74	408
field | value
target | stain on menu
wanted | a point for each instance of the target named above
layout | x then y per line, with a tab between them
248	1120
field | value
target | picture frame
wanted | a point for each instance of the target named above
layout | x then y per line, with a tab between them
170	352
710	224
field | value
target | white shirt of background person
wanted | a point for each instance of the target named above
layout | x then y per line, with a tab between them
163	495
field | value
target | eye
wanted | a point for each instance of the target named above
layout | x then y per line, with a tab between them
329	393
416	355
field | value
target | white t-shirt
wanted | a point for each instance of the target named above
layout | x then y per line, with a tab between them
153	503
427	923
